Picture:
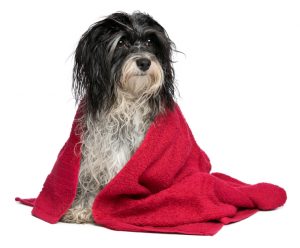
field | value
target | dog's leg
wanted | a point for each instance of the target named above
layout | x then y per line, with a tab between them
81	210
78	215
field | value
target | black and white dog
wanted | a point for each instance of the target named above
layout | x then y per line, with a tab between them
123	74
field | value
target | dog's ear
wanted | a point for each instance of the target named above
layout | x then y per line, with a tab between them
91	73
166	48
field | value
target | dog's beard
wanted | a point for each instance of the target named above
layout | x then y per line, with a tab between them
139	83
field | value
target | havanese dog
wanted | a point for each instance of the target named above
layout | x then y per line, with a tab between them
124	78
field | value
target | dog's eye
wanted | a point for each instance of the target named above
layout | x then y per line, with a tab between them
148	42
122	43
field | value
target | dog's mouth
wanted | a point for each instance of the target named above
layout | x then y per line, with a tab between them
140	74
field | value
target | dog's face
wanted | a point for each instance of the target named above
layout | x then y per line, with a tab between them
124	53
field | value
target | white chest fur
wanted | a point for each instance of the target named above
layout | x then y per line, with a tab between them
108	144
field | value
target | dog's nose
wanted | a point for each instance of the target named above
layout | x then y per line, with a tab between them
143	64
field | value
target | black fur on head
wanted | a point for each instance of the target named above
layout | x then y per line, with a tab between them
105	46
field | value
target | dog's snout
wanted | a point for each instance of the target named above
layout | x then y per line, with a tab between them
143	64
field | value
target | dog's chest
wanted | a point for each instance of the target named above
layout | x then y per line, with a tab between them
127	140
109	144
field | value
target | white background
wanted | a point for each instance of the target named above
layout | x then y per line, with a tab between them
239	83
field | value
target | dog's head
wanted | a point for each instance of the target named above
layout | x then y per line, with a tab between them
124	53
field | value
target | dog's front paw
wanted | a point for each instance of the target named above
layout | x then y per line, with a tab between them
78	215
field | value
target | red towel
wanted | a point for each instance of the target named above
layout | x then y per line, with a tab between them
166	186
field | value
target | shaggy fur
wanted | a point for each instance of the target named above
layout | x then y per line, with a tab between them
122	93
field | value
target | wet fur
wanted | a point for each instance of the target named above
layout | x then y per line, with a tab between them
120	101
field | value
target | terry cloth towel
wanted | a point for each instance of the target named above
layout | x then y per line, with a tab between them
166	186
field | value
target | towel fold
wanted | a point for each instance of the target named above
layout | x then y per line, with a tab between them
166	186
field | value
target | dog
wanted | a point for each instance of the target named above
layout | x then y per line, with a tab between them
123	76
